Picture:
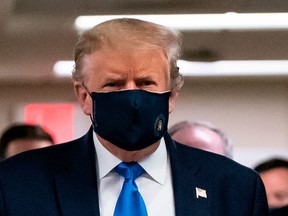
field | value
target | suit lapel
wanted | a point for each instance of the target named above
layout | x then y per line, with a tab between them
190	184
75	180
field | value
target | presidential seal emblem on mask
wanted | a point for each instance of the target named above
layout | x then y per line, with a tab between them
159	125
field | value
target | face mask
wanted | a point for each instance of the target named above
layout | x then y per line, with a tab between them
130	119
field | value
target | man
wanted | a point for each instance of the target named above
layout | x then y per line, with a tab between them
126	79
18	138
201	135
274	174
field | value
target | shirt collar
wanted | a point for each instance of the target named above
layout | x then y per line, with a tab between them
155	164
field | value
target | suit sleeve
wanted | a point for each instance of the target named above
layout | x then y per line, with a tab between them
2	206
260	199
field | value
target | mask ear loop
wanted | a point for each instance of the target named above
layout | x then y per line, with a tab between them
94	124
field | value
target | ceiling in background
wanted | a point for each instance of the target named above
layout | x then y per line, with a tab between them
36	34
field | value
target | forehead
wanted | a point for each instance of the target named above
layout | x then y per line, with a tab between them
123	58
280	172
199	132
20	145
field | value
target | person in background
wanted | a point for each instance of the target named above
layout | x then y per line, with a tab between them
274	174
126	80
201	135
18	138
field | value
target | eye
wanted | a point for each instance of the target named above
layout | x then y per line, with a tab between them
281	196
112	84
146	83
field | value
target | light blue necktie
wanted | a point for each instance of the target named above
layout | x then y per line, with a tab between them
130	201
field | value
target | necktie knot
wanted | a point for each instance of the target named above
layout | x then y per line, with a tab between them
129	170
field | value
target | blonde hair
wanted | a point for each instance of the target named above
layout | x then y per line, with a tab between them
130	33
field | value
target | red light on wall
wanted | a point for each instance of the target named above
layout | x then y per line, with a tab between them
57	119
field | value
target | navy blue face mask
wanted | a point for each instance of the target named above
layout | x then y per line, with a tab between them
131	119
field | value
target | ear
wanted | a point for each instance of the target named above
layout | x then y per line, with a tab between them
172	100
83	98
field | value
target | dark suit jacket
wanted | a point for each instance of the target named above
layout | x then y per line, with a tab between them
61	180
282	211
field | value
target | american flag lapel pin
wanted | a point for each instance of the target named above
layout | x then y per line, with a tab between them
201	193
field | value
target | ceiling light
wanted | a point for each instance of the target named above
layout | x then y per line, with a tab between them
199	22
63	68
234	68
209	69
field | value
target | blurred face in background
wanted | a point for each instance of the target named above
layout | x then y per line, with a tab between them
276	184
202	138
21	145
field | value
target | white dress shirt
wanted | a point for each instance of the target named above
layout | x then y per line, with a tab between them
155	185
